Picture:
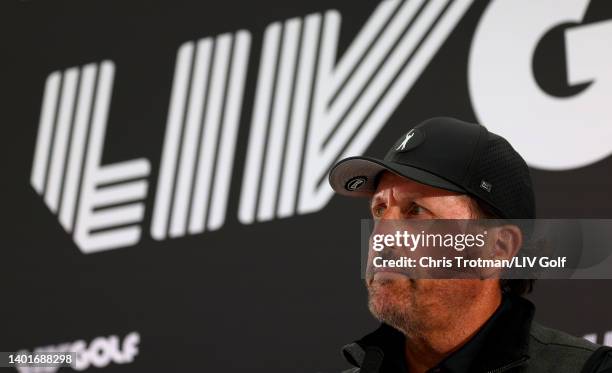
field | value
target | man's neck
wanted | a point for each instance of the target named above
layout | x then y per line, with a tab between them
427	348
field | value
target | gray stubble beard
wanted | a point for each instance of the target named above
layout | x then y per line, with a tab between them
392	313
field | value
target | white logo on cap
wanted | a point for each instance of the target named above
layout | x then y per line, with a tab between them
355	183
486	185
402	146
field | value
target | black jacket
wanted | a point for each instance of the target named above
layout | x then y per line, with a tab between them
510	341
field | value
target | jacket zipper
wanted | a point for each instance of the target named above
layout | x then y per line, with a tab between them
511	365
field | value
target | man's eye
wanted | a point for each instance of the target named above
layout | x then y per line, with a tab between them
378	211
417	209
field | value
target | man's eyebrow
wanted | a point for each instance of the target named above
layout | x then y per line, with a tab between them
375	198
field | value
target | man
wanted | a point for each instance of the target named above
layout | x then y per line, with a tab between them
449	169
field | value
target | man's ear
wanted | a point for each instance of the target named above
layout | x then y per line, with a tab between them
508	241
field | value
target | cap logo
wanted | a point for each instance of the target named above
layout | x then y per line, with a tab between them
409	135
486	185
411	140
355	183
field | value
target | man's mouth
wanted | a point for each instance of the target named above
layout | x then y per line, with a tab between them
384	274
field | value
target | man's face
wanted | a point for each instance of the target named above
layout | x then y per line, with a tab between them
407	304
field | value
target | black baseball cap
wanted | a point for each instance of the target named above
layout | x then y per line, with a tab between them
450	154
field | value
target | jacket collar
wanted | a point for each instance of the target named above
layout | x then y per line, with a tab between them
501	342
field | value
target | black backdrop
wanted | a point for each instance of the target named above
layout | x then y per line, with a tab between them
277	295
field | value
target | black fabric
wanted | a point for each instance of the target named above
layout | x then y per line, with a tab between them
514	181
600	361
510	341
450	154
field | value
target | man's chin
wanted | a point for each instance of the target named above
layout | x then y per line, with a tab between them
389	311
389	295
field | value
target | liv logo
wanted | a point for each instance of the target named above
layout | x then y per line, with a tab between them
311	108
67	169
605	338
200	141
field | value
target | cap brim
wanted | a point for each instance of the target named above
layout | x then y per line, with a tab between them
368	171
